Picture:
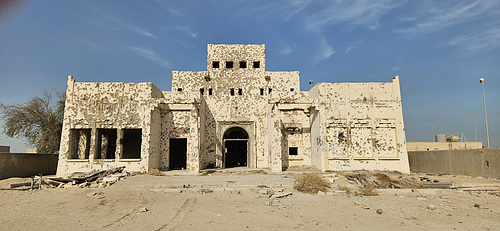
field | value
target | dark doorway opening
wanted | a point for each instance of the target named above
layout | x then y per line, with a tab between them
178	151
236	147
132	139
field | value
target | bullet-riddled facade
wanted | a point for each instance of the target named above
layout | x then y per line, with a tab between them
233	114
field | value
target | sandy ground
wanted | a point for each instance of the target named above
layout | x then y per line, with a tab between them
246	201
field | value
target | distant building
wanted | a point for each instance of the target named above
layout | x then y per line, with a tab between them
233	114
4	148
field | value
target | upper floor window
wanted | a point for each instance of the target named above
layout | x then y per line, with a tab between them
256	64
243	64
202	91
179	89
262	91
215	64
232	91
210	91
240	91
291	89
229	64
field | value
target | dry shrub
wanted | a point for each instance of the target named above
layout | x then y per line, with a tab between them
385	177
156	172
310	183
367	190
346	189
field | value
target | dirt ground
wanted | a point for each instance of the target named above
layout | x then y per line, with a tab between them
250	200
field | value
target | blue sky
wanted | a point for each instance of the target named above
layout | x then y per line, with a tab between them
439	49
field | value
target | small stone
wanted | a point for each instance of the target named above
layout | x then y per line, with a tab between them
379	211
432	207
143	209
321	193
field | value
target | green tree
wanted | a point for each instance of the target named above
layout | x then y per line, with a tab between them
39	120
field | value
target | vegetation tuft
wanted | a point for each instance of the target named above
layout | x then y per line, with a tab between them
310	183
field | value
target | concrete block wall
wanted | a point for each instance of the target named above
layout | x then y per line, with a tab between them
471	162
27	164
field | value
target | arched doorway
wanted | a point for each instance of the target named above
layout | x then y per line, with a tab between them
235	147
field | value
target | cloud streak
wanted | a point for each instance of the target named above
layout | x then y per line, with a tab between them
350	48
356	13
151	55
440	16
325	51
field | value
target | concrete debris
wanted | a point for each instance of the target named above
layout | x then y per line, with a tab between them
379	211
143	210
281	195
92	179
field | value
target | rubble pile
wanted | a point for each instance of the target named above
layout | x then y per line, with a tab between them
92	179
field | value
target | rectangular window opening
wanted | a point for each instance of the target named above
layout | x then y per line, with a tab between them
215	64
179	89
291	89
262	91
210	91
132	140
240	91
79	146
106	144
256	64
232	91
202	91
293	151
270	90
243	64
229	64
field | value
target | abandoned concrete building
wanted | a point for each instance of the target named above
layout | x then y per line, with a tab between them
233	114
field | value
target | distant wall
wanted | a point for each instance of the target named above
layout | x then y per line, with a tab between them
423	146
27	164
4	148
471	162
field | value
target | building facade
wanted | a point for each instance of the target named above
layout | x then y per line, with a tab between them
233	114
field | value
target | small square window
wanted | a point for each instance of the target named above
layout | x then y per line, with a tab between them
256	64
179	89
243	64
215	64
291	89
240	91
270	90
232	91
210	91
293	151
229	64
202	91
262	91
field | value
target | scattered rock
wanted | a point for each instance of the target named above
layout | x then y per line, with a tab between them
480	206
143	210
432	207
282	195
379	211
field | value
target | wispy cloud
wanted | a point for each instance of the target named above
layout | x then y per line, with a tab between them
325	51
188	31
357	13
177	13
350	48
395	68
151	55
486	40
287	50
122	23
441	15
